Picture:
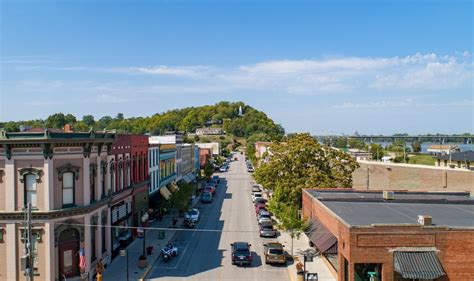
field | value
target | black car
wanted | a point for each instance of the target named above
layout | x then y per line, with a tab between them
241	254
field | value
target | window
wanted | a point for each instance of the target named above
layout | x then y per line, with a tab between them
112	177
68	188
104	228
120	175
93	232
104	174
127	173
92	176
30	190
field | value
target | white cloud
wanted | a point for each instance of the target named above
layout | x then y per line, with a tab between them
402	103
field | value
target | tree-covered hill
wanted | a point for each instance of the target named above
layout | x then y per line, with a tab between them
222	114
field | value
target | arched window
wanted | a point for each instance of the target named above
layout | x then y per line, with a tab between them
127	172
68	188
103	166
30	190
93	177
120	175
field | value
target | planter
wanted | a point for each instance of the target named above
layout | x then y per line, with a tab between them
142	263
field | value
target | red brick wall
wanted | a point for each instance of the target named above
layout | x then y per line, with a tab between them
414	178
370	244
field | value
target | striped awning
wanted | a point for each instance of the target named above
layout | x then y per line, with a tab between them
322	239
417	265
165	192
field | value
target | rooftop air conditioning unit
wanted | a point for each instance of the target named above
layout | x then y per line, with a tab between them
388	195
425	220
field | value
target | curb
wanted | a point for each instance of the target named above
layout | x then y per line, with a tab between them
149	268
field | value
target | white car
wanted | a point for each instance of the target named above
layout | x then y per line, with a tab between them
192	215
256	195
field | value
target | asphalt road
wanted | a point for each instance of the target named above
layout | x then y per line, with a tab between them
204	253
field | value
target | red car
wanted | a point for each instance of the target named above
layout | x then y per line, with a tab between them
260	206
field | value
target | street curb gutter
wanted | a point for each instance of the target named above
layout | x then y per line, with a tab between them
149	268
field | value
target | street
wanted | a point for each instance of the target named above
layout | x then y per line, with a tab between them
204	253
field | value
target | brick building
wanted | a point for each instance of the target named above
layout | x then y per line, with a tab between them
361	234
128	172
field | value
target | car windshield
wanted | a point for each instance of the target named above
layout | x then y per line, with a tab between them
257	195
264	216
192	213
267	227
276	251
206	194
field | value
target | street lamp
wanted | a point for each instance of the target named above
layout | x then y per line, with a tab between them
144	224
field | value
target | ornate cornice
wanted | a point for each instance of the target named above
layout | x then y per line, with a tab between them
55	214
47	150
68	168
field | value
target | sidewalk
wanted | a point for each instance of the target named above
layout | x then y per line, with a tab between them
117	269
316	266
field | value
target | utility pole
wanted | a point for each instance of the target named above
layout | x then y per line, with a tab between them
29	268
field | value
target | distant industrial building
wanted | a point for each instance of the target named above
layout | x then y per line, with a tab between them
437	149
386	235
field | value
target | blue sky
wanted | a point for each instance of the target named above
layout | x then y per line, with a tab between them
327	67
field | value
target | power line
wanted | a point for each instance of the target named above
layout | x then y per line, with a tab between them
160	228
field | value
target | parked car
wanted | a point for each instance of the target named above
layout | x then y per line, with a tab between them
260	200
206	197
274	253
250	170
241	253
264	215
209	188
256	188
215	183
224	168
192	215
216	178
259	208
256	195
266	230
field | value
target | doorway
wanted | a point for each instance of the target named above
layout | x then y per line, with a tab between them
68	247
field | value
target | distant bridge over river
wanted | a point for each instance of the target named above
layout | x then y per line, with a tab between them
466	139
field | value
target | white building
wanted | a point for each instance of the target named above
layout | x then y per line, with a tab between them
215	147
172	138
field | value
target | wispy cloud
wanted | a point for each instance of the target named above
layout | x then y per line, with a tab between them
402	103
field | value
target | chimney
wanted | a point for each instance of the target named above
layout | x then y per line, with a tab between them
424	220
388	195
68	128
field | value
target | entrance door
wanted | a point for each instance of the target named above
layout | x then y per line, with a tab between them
68	253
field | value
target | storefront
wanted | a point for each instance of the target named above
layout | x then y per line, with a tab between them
121	223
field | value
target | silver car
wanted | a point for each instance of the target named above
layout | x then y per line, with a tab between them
266	230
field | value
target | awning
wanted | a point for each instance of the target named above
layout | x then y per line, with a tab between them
322	239
417	265
174	187
165	192
188	178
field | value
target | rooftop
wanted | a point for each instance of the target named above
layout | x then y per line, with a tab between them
459	156
359	208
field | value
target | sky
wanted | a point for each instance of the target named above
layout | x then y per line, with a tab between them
324	67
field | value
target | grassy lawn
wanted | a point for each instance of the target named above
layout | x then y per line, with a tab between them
422	160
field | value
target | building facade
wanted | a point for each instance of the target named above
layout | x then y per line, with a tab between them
457	160
162	171
215	147
379	235
187	162
64	176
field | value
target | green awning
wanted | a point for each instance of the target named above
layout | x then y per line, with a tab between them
417	264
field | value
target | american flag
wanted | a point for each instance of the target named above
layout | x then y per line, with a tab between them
82	259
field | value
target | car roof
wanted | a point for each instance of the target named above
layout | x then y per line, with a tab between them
241	245
264	213
274	245
255	193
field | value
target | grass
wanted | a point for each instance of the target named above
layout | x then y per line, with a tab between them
422	160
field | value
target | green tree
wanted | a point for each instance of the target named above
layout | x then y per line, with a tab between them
56	121
208	170
88	120
416	146
290	220
377	151
303	163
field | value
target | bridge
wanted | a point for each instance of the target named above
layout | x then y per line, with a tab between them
466	139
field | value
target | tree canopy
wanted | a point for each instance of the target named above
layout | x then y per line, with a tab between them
300	163
223	114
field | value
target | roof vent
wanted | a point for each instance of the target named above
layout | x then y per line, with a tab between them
388	195
425	220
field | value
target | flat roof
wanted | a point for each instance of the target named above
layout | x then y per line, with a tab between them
366	208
